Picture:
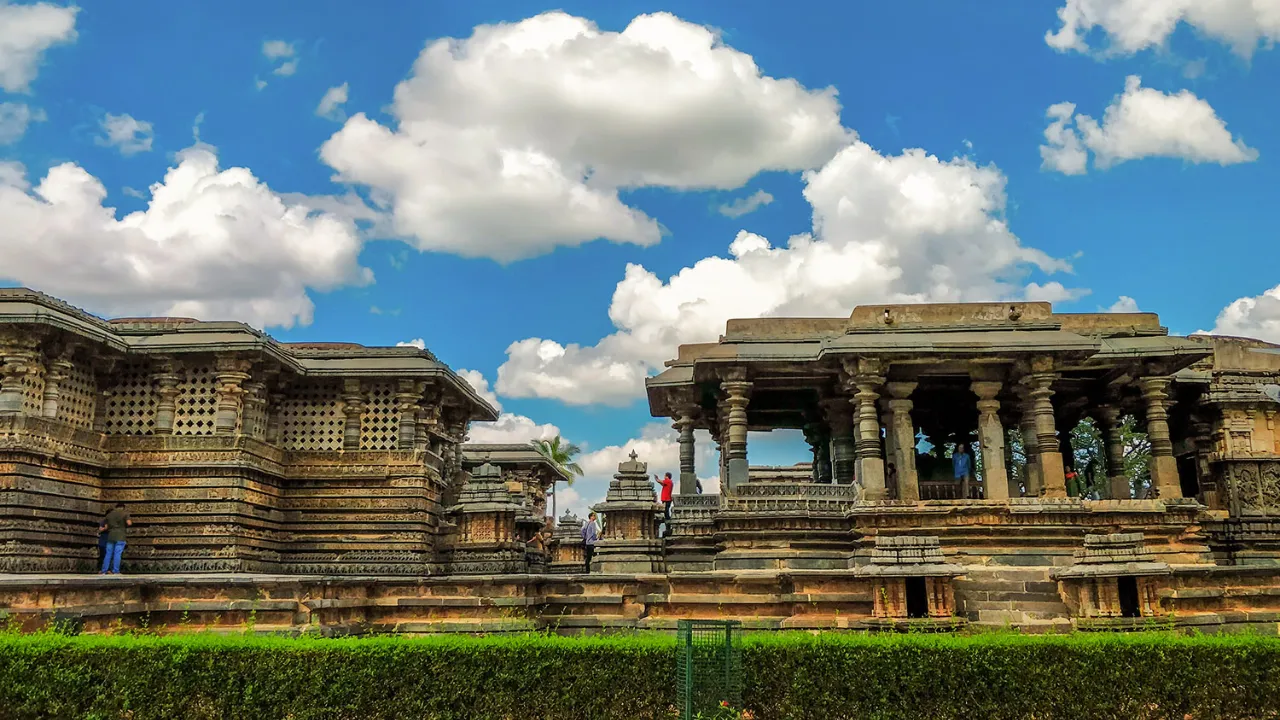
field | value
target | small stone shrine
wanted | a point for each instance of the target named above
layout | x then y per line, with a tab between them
1113	577
631	517
913	579
487	541
566	545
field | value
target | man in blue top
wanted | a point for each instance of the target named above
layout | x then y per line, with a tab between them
962	464
590	534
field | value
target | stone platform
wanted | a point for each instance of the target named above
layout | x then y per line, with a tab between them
1209	598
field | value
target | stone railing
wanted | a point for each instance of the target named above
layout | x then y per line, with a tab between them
776	497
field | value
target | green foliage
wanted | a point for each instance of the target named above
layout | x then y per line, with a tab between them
561	455
1141	676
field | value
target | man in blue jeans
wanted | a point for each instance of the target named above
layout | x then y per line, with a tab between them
115	524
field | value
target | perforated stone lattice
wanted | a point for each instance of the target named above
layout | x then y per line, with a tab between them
77	396
310	417
196	403
380	421
130	409
33	391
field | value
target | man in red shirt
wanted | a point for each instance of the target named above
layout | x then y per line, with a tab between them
665	497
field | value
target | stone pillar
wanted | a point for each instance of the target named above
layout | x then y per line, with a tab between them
254	423
818	438
408	396
1164	468
16	361
903	431
995	476
688	469
353	408
1108	419
870	459
890	446
58	371
166	397
738	394
840	420
1030	448
1049	454
230	375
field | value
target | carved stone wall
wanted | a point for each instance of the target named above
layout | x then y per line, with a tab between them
78	396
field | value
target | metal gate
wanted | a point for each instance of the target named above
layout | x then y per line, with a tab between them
708	666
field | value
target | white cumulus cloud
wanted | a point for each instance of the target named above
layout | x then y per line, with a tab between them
14	120
518	139
1255	317
125	133
212	243
282	54
415	343
749	204
330	106
1124	304
1131	26
903	228
26	32
477	381
1140	123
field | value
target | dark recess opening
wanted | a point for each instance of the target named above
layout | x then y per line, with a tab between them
1187	476
917	598
1129	597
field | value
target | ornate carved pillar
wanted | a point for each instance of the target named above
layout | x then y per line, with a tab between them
1108	419
865	381
1049	454
408	397
995	478
231	373
1030	446
903	430
1164	468
815	434
166	380
58	371
255	410
688	471
18	358
839	417
353	408
737	395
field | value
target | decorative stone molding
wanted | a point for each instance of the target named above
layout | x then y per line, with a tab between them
911	574
1113	576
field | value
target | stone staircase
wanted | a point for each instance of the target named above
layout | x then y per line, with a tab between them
1021	597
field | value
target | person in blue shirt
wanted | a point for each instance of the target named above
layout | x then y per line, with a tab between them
590	534
962	464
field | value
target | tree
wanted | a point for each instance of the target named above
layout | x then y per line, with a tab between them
561	455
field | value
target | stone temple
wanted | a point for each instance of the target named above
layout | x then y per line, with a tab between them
331	486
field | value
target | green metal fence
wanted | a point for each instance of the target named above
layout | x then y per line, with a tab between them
708	666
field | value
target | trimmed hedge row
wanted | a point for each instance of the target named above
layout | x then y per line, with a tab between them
788	675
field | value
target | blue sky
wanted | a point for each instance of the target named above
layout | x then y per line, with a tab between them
928	178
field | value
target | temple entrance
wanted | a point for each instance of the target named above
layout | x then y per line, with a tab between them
1129	597
918	598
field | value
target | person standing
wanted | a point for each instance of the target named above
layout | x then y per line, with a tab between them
115	524
962	465
590	534
665	494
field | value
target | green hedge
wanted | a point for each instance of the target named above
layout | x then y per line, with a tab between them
787	676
